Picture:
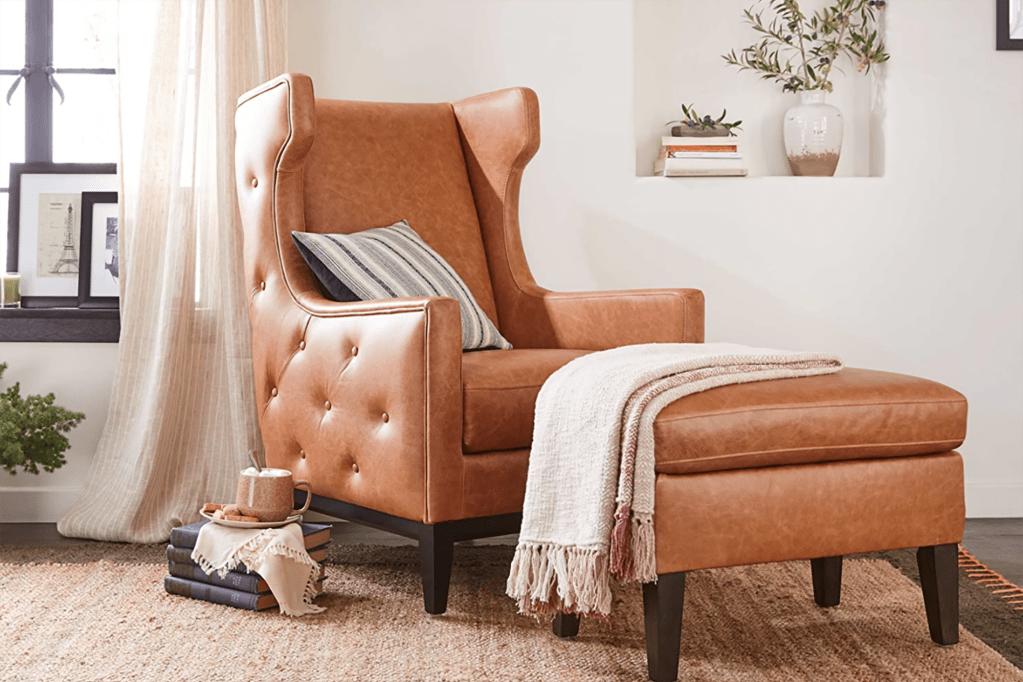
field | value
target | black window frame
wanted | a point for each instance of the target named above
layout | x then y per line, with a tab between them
48	324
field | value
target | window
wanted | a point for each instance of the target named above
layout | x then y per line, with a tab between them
57	67
77	38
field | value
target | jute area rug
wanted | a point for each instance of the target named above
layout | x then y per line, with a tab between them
98	611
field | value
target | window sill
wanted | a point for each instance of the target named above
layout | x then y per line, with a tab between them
67	325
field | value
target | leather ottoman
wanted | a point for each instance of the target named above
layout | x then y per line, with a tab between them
809	468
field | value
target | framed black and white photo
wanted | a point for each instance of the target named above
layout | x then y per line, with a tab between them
44	227
1009	24
100	272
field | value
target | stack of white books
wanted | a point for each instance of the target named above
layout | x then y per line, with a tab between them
700	156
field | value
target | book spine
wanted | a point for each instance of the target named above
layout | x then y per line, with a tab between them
181	555
185	537
702	164
704	173
210	593
734	140
704	155
713	149
243	582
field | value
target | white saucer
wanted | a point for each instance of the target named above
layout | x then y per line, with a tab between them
252	524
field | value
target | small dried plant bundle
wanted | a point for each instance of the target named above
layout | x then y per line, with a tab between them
799	51
694	120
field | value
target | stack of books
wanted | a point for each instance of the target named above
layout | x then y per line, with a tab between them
700	156
237	588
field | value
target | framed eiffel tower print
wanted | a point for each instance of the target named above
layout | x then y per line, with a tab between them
44	227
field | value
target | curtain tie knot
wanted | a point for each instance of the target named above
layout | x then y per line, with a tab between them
26	72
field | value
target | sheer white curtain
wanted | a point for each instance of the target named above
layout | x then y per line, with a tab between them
182	413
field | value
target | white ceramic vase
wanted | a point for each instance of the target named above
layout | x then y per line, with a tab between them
813	135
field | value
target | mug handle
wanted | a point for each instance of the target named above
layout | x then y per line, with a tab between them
308	497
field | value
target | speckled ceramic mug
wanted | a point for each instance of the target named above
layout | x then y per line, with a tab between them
270	494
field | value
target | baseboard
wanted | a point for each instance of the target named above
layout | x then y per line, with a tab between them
991	500
47	505
36	505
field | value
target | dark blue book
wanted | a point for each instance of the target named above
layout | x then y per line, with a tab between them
182	555
223	595
316	534
243	582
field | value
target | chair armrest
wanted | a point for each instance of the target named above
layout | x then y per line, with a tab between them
607	319
327	373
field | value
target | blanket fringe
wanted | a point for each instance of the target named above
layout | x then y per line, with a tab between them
278	549
643	549
633	555
546	579
253	548
621	554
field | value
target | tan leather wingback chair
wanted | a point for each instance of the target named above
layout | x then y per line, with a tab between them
374	402
377	406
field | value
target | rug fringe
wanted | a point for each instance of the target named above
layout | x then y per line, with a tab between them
1011	593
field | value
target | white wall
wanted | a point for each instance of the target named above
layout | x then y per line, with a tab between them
919	271
80	375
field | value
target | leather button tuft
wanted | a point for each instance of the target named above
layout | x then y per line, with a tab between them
327	404
262	285
301	345
385	417
302	453
255	182
273	391
355	467
355	350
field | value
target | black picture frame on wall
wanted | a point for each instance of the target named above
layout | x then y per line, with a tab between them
1009	24
28	181
99	273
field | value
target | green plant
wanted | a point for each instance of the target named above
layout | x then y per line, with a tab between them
31	430
799	51
694	120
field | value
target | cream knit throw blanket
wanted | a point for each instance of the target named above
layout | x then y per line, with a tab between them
589	504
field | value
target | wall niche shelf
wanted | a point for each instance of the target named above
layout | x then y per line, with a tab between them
677	58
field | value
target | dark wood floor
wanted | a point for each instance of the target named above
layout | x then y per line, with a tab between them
998	543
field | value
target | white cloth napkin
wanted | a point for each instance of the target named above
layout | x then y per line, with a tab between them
277	554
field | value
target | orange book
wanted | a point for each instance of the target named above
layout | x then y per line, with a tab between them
701	148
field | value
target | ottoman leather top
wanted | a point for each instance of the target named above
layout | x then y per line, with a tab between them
854	414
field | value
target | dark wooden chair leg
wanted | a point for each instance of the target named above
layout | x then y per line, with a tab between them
566	625
662	616
435	553
827	580
939	577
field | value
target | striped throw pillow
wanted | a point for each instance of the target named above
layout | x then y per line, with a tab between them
393	262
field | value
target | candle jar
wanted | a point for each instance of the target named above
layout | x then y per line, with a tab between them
10	290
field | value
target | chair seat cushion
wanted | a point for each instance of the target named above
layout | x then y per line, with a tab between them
499	390
854	414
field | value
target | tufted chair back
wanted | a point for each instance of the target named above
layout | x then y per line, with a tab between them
342	388
374	164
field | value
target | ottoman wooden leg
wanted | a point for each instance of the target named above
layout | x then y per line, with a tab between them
566	625
827	580
662	615
939	577
436	551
